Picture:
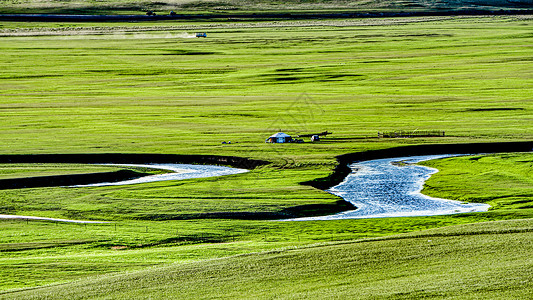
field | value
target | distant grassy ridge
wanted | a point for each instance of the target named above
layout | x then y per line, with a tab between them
231	6
255	16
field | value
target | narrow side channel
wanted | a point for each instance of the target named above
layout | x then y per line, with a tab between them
178	172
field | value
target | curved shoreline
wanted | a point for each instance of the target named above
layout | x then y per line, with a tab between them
178	172
117	159
391	187
134	158
342	169
69	180
339	174
122	177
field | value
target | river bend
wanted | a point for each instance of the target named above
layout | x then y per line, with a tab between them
391	188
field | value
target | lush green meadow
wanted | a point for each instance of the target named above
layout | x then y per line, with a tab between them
8	171
156	92
163	7
470	262
149	88
508	177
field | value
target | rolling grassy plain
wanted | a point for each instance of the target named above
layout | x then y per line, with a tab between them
148	88
490	261
231	6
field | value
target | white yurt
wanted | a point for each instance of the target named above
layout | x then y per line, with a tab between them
279	137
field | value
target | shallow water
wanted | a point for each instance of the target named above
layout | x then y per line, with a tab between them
179	172
379	189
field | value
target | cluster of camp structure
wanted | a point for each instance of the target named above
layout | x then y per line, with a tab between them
281	137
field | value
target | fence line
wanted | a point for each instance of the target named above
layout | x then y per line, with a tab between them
411	134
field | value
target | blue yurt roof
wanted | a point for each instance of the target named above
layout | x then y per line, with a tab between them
279	134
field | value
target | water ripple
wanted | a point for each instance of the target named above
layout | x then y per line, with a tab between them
179	172
391	188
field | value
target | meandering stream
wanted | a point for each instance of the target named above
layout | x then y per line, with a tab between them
178	172
378	188
391	188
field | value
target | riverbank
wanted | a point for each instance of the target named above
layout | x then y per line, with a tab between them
69	180
134	158
342	169
338	175
385	188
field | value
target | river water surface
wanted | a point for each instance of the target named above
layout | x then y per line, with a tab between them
391	188
378	188
178	172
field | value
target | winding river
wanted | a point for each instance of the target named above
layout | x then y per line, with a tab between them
391	187
178	172
379	188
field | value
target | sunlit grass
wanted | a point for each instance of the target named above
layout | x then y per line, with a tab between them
233	6
504	181
33	170
67	92
482	260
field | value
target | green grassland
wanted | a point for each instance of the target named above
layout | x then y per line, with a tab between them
8	171
491	260
11	171
231	6
157	92
508	177
147	88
